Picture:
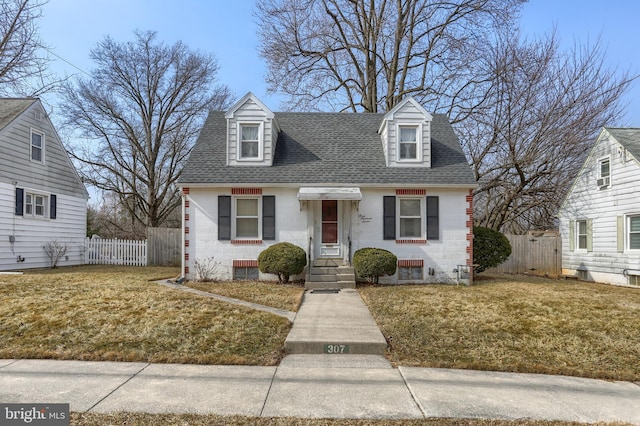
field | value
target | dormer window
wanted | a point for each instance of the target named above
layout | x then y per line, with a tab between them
408	143
250	141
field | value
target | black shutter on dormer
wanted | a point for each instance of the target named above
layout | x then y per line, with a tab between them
389	218
53	201
269	217
433	218
19	202
224	217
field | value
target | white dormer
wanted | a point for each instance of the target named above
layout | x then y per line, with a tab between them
252	133
406	135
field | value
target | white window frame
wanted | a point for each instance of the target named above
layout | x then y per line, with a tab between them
31	205
41	147
418	129
604	180
585	234
235	217
260	126
627	232
422	218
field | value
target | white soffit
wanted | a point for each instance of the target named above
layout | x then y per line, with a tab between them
329	194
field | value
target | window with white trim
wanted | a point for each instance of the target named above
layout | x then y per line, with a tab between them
410	217
604	172
633	232
247	218
409	143
581	234
250	141
37	146
35	205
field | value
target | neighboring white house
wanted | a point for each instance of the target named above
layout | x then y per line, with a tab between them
42	198
600	217
330	183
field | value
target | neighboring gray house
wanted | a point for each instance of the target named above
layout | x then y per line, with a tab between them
42	198
600	216
331	183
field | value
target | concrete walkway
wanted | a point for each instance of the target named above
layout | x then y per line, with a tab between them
320	385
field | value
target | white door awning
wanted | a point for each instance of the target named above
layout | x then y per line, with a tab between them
353	194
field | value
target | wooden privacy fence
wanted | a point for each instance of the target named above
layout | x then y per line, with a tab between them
162	247
536	255
99	251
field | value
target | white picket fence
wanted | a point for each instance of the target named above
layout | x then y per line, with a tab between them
99	251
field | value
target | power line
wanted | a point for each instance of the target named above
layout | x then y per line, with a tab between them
67	62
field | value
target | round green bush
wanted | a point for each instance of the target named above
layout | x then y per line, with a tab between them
283	260
373	263
490	248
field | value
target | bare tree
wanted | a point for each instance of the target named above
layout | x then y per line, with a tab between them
139	114
367	55
529	138
23	60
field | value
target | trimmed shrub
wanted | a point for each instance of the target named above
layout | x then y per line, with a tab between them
373	263
283	260
490	248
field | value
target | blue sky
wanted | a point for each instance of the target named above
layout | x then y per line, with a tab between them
228	29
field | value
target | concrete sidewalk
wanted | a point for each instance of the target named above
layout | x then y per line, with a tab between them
340	375
363	386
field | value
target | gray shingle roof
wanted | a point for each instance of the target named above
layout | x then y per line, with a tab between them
627	137
11	108
327	149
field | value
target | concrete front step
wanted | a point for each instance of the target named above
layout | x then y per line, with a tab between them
334	323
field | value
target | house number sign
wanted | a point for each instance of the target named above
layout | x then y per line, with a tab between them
335	348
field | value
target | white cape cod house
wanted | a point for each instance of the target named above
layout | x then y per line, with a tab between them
330	183
42	198
600	216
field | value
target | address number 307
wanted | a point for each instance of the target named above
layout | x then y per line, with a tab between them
336	349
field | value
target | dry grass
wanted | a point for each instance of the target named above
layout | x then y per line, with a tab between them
281	296
530	325
131	419
117	314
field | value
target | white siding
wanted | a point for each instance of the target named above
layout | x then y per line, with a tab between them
56	175
602	207
251	112
407	114
30	234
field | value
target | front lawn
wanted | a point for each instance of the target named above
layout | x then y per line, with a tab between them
281	296
517	324
115	313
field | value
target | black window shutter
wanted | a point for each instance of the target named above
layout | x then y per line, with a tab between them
53	206
224	217
269	217
19	202
433	218
389	217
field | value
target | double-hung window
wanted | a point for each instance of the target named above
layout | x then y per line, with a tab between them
633	232
410	217
408	144
604	173
250	137
581	233
35	205
37	146
246	218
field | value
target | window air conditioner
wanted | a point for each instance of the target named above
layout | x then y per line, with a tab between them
602	182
